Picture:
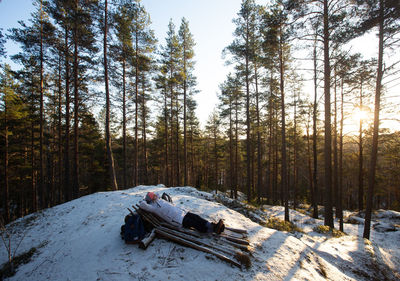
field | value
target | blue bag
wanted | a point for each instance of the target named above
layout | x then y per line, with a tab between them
133	230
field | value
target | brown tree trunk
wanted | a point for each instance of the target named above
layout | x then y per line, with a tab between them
248	129
328	134
111	168
360	158
125	180
315	198
75	189
6	187
374	152
42	193
284	183
136	156
67	187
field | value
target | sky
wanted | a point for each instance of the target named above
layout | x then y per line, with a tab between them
210	22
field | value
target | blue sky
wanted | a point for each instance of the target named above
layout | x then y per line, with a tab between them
210	22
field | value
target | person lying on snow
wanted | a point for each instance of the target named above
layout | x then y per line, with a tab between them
177	216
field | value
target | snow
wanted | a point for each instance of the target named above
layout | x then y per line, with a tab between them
80	240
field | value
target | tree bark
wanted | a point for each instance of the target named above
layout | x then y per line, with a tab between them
75	189
360	158
67	188
108	135
42	193
374	152
314	145
328	135
284	183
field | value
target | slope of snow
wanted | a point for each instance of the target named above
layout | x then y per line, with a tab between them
80	240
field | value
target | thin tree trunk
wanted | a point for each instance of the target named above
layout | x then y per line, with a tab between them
284	183
185	177
124	122
67	188
374	152
328	134
108	135
315	153
248	128
136	157
75	189
295	153
145	173
42	193
335	152
6	187
259	151
360	158
340	197
166	170
60	179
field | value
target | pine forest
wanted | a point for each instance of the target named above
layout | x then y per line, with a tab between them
98	103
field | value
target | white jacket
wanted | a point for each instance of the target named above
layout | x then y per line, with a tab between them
164	210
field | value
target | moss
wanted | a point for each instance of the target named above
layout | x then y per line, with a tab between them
282	225
324	229
9	269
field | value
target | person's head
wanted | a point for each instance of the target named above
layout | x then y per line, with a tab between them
151	197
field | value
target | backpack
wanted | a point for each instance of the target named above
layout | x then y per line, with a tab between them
133	230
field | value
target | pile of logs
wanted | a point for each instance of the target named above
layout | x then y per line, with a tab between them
231	246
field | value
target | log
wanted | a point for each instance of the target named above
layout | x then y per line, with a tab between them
187	243
147	240
237	230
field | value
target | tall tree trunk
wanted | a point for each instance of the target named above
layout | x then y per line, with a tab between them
284	183
67	188
231	162
259	151
295	153
236	146
124	122
42	192
108	136
248	145
374	152
59	173
136	157
185	173
144	132
6	187
335	152
177	169
166	170
75	188
340	197
328	134
315	152
360	158
33	174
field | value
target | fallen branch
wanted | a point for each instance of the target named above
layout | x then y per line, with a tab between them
195	246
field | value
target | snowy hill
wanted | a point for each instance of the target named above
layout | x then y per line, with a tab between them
80	240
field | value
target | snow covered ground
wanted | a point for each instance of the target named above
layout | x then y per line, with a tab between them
80	240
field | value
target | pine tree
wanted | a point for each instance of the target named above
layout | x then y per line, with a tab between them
385	14
107	125
143	47
241	50
188	83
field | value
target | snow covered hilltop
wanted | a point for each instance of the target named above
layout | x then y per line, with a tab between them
80	240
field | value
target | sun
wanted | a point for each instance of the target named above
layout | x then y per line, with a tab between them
359	115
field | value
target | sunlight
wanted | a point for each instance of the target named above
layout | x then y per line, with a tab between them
359	114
